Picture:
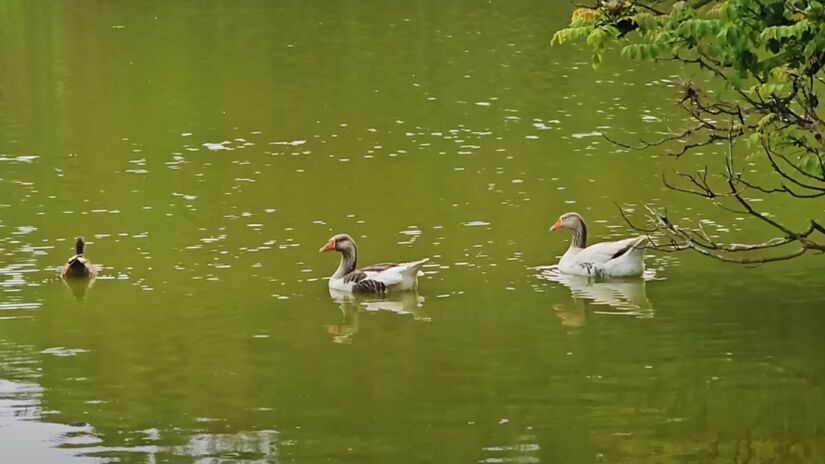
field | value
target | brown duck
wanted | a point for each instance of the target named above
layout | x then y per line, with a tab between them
78	265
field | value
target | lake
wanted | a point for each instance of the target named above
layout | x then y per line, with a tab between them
206	150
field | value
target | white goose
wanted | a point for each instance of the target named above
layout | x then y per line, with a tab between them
623	258
378	278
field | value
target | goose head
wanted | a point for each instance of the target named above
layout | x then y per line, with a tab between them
569	221
574	223
341	242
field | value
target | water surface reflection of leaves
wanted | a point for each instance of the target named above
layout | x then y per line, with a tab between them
404	303
623	297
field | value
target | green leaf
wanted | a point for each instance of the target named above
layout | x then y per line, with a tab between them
815	8
781	73
813	48
560	37
810	164
752	141
732	36
570	34
596	38
645	21
631	51
598	57
644	51
785	32
765	121
734	82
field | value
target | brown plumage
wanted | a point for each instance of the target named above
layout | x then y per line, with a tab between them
78	265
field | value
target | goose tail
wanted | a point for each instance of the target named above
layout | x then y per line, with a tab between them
642	242
637	247
413	267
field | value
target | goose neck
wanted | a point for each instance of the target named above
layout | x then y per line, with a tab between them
579	235
348	263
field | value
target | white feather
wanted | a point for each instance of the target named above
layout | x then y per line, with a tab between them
598	260
403	276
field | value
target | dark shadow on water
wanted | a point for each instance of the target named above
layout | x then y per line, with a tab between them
403	303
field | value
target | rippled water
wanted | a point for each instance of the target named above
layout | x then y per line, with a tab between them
207	150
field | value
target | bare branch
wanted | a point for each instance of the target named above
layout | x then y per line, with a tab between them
631	224
711	138
644	144
581	5
782	173
781	189
680	239
698	240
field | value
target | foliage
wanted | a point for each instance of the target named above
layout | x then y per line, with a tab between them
767	57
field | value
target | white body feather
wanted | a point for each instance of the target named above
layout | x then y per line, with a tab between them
598	260
403	276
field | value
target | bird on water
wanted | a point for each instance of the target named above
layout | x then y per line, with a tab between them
79	266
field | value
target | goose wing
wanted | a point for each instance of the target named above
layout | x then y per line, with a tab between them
374	279
380	267
378	278
603	252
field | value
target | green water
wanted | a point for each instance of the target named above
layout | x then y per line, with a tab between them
424	129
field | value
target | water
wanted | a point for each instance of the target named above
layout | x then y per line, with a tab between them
207	150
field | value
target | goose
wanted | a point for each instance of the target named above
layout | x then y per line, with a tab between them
622	258
78	265
378	278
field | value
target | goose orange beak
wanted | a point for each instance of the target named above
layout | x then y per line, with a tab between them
556	226
330	246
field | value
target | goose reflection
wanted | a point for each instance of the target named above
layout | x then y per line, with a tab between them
409	303
626	297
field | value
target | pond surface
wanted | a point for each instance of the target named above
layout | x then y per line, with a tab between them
206	150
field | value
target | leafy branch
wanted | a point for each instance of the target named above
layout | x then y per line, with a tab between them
767	59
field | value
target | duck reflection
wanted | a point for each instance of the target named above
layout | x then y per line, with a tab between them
79	286
352	305
626	297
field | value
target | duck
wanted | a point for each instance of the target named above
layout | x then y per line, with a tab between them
621	258
79	266
377	279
